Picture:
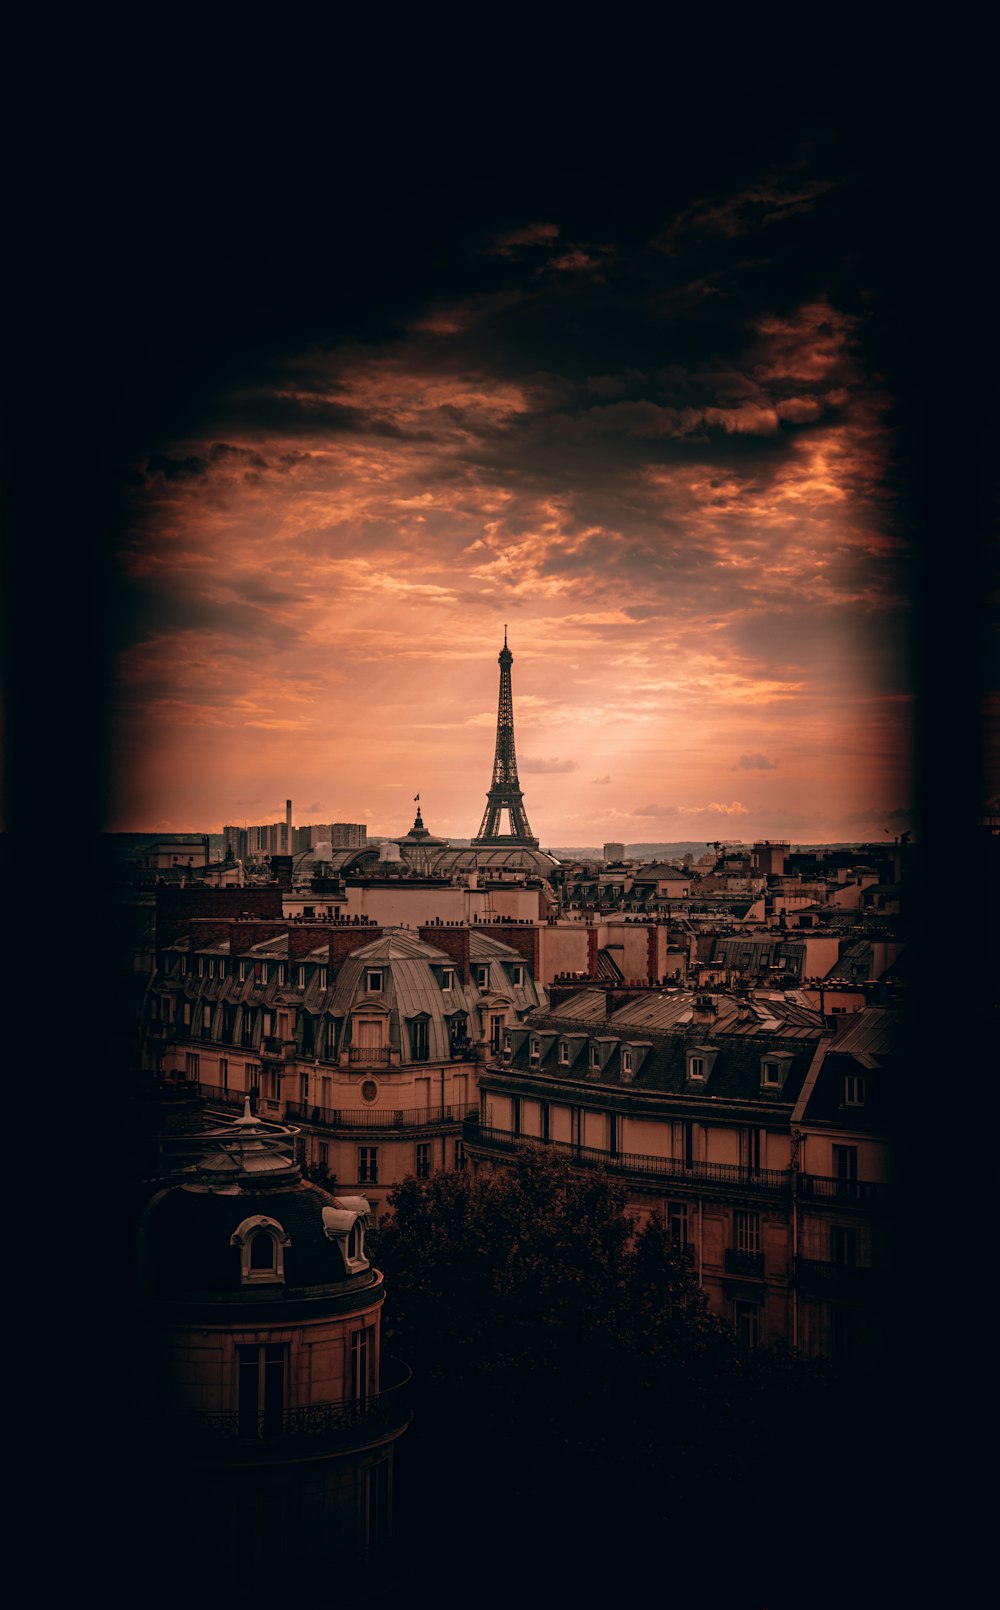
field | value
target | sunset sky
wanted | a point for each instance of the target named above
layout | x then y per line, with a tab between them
645	424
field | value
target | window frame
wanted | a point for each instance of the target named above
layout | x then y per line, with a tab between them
246	1235
746	1322
747	1231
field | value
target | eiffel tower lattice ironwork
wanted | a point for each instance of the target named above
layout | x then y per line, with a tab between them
505	790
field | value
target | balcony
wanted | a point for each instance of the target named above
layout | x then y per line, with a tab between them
220	1096
744	1263
271	1047
838	1279
230	1435
368	1056
823	1187
358	1118
773	1182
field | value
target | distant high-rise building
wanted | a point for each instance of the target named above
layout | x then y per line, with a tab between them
265	838
287	845
614	852
348	835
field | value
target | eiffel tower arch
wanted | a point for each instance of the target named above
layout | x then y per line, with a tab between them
505	791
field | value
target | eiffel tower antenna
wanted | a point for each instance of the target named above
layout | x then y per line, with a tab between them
505	790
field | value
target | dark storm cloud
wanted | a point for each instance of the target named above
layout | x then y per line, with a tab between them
243	613
194	465
647	422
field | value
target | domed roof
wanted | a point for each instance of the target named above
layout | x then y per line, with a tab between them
243	1225
187	1245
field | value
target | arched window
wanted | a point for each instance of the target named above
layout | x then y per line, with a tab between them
262	1250
261	1242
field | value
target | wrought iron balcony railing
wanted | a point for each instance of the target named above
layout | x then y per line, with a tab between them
744	1263
844	1278
271	1045
240	1434
822	1187
637	1165
368	1055
379	1118
219	1096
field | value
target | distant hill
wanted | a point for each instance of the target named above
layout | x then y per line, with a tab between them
633	852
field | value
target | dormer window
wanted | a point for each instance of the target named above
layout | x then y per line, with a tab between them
595	1056
517	973
345	1223
854	1090
534	1050
696	1068
447	978
419	1043
774	1070
261	1242
243	972
300	978
322	978
483	977
374	980
628	1062
201	966
506	1045
281	972
563	1054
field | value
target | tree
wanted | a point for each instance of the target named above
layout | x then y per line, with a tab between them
564	1358
557	1344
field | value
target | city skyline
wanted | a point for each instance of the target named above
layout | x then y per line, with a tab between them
647	429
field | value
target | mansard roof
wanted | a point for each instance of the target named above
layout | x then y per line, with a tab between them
485	948
661	1068
398	944
873	1045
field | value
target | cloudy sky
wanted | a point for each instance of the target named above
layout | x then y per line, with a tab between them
644	424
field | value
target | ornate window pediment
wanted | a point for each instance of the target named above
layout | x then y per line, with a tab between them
262	1242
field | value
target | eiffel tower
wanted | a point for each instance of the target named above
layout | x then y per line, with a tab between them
505	791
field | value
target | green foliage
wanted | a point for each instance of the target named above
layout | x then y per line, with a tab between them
564	1350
